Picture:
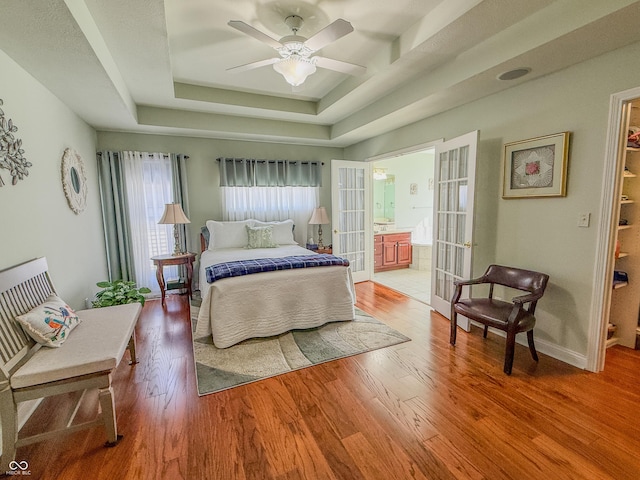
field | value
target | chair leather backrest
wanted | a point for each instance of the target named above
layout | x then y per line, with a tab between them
526	280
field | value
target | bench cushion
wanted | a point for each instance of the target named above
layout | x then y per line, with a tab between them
97	345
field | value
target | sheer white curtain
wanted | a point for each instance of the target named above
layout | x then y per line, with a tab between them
148	179
272	203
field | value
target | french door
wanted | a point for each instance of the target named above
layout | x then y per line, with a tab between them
351	215
453	220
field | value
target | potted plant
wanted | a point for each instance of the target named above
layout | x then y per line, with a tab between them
119	292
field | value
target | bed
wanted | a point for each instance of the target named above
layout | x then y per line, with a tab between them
266	303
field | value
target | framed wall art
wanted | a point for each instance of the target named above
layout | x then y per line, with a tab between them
536	167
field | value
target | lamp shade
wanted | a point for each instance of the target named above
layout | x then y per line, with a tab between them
173	214
319	217
295	69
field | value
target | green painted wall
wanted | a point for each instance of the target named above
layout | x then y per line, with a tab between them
35	219
540	234
202	168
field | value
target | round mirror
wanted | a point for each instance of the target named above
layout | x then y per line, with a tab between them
74	180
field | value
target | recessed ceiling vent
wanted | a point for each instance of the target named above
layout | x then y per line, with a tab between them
513	74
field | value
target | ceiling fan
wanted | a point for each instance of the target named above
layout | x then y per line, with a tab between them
296	62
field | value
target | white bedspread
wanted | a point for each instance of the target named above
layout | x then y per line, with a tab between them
270	303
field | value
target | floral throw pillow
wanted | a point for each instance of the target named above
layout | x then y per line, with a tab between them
49	323
260	237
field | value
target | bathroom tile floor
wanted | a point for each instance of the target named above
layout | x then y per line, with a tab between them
411	282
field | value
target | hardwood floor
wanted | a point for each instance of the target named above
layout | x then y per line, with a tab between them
421	409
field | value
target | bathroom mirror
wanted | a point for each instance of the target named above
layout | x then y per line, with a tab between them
384	199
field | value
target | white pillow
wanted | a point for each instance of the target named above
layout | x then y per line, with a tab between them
49	323
282	231
228	234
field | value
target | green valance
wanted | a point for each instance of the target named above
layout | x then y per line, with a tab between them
246	172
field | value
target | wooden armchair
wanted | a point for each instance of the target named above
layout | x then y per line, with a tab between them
511	317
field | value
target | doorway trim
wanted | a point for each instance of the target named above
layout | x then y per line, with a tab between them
387	156
603	271
405	151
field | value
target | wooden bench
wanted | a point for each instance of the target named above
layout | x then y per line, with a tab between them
86	360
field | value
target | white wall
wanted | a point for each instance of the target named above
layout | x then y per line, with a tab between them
540	234
202	169
35	219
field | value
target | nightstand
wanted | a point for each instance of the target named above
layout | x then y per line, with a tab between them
163	260
325	250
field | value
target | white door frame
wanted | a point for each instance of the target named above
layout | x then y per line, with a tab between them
389	156
605	247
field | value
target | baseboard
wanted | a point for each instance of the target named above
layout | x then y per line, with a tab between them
560	353
553	350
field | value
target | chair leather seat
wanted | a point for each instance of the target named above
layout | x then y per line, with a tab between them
494	313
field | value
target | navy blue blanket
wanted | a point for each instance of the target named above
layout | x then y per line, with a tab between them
245	267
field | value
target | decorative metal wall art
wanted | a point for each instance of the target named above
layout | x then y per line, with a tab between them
11	153
74	180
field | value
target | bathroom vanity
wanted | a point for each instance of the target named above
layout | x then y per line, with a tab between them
392	250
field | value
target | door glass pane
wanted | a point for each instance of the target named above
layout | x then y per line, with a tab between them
453	197
442	225
462	196
441	255
440	284
351	197
460	234
451	225
453	155
444	197
464	161
459	262
449	262
444	166
448	287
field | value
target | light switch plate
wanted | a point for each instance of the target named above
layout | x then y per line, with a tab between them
584	219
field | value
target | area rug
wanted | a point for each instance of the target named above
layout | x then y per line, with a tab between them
252	360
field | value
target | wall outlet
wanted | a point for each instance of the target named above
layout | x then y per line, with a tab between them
584	219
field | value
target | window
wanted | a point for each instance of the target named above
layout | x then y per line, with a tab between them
270	190
148	183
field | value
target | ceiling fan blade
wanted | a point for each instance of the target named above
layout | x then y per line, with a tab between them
255	33
251	66
338	66
328	34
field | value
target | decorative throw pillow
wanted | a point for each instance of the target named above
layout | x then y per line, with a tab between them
49	323
260	237
282	231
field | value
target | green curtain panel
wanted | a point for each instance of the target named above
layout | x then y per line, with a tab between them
115	217
244	172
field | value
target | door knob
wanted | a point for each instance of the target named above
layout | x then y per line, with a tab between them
467	244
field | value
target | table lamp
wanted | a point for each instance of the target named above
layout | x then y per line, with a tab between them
319	218
173	215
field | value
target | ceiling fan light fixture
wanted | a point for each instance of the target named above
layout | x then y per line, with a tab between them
295	69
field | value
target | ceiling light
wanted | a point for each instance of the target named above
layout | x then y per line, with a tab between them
513	74
295	69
